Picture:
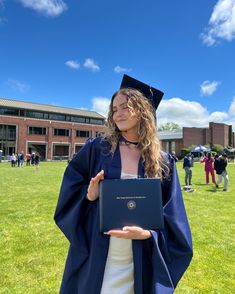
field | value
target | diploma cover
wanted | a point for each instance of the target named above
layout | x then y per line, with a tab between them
130	202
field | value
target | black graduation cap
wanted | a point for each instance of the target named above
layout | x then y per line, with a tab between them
154	95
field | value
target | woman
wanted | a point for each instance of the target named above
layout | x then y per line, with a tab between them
13	160
209	167
132	260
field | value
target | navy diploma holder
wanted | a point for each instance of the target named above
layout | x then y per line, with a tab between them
131	202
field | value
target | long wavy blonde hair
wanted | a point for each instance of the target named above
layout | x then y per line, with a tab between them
149	144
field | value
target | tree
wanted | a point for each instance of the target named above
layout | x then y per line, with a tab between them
169	126
217	148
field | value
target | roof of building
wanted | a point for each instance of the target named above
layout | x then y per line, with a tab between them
170	135
4	102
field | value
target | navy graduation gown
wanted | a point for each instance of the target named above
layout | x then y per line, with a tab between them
159	262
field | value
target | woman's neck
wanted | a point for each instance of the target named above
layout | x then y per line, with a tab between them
132	137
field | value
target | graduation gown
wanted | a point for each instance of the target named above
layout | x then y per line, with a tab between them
159	262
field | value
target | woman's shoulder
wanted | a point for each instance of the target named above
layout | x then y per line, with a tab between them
97	141
167	157
96	144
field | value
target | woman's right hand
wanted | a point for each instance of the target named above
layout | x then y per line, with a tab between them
93	188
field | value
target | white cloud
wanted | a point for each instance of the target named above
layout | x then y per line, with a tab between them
72	64
90	64
232	108
182	112
191	114
18	85
118	69
207	88
221	23
101	105
218	116
231	113
45	7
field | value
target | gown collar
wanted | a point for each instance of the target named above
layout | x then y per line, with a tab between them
114	170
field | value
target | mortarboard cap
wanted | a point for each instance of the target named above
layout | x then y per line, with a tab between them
154	95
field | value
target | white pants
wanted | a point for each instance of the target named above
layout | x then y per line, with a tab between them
220	177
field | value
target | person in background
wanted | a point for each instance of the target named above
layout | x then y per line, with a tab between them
21	159
187	166
28	159
209	167
18	155
134	259
33	158
220	168
37	160
13	160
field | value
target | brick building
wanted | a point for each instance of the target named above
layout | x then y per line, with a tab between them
216	133
59	132
55	132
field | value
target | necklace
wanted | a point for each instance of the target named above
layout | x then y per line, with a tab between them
127	142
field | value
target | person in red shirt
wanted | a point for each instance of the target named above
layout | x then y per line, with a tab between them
209	167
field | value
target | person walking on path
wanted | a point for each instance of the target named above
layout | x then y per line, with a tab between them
187	166
220	168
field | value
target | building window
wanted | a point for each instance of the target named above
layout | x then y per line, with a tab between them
78	119
83	134
96	121
22	112
34	114
8	111
50	116
7	132
57	116
7	139
37	131
61	132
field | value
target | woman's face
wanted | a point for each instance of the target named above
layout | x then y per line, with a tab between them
123	118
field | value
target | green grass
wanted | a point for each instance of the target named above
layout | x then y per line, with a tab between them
33	250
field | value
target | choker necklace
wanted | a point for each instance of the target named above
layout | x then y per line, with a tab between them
127	142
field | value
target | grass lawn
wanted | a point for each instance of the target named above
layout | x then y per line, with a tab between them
33	250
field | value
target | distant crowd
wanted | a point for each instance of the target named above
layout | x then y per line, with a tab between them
212	165
19	159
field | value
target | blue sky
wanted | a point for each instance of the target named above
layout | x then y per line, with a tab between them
74	53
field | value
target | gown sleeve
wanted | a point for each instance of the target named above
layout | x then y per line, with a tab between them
73	206
172	246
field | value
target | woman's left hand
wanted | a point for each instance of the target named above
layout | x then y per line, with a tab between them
132	232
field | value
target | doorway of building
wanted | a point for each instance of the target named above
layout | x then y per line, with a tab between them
60	152
38	147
